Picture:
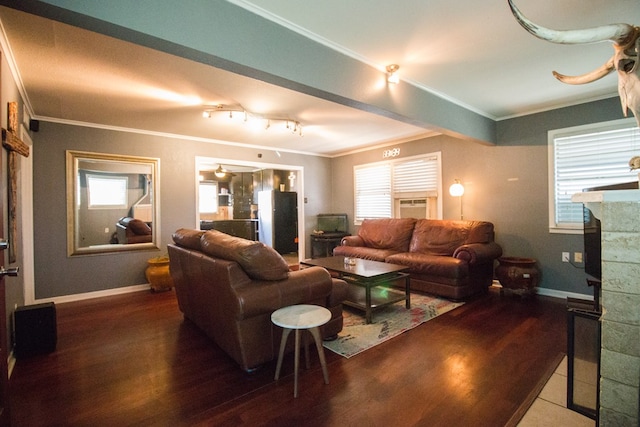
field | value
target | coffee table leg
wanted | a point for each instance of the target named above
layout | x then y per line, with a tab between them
316	337
367	304
407	292
283	344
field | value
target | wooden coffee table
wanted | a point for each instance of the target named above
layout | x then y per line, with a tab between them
370	282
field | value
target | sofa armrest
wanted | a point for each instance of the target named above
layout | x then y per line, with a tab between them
478	253
302	287
352	241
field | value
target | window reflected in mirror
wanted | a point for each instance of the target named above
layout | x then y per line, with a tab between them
112	203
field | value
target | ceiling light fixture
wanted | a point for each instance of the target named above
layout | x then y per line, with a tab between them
293	126
392	73
220	172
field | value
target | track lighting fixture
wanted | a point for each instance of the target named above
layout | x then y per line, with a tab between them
292	125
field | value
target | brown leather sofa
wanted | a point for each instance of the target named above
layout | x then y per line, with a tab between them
453	259
229	286
131	230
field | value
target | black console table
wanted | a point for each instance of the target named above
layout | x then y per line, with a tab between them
322	245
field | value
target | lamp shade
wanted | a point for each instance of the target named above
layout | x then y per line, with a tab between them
456	189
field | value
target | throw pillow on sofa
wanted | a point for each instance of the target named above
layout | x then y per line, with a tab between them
387	233
258	260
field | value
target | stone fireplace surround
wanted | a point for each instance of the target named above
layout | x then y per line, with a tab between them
619	213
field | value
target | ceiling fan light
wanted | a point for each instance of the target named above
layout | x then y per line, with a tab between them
220	173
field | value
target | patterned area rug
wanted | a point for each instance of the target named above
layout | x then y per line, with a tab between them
388	322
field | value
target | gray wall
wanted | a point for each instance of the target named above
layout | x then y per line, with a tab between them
506	184
59	275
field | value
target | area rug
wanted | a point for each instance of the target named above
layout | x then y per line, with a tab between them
388	322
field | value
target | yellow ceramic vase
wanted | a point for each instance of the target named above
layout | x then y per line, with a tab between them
158	274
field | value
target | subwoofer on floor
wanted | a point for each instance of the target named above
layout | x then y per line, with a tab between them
35	330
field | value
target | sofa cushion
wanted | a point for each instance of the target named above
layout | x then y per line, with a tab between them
480	232
259	261
438	237
188	238
387	233
432	265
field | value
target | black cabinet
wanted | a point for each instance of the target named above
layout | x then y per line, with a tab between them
242	187
322	246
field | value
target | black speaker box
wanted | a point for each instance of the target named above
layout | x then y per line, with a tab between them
34	125
35	330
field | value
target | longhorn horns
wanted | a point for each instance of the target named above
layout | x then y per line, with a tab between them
622	35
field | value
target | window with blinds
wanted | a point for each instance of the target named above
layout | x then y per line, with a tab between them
418	175
373	191
378	185
588	157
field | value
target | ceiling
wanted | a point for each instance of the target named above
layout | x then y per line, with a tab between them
471	53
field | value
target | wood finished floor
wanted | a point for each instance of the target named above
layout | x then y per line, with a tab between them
133	360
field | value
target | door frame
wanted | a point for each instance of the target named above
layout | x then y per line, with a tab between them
206	160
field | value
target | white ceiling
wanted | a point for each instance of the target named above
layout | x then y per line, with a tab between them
470	52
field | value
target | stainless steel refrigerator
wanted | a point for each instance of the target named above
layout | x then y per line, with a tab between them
278	220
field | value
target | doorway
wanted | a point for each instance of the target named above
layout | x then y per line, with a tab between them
246	206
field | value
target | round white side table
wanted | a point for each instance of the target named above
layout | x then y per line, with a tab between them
299	318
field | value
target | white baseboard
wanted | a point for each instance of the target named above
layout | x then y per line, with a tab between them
96	294
554	293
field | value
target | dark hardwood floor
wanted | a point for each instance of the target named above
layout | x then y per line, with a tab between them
133	360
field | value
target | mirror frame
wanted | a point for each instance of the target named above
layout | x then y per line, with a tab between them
73	159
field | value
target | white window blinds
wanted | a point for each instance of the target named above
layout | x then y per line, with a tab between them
591	159
373	191
378	184
417	175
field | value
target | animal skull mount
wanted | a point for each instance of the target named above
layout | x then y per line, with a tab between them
626	44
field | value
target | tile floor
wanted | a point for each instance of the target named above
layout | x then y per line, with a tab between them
550	407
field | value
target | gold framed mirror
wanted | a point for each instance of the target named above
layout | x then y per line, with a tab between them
112	203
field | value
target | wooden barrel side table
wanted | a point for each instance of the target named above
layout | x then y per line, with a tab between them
519	275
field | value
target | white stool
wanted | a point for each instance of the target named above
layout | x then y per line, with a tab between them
301	317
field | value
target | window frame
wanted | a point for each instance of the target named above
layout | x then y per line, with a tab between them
553	135
119	183
394	196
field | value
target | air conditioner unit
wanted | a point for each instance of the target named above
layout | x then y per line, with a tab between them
412	208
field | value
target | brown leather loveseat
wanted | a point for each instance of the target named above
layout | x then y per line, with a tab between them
453	259
229	286
131	230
